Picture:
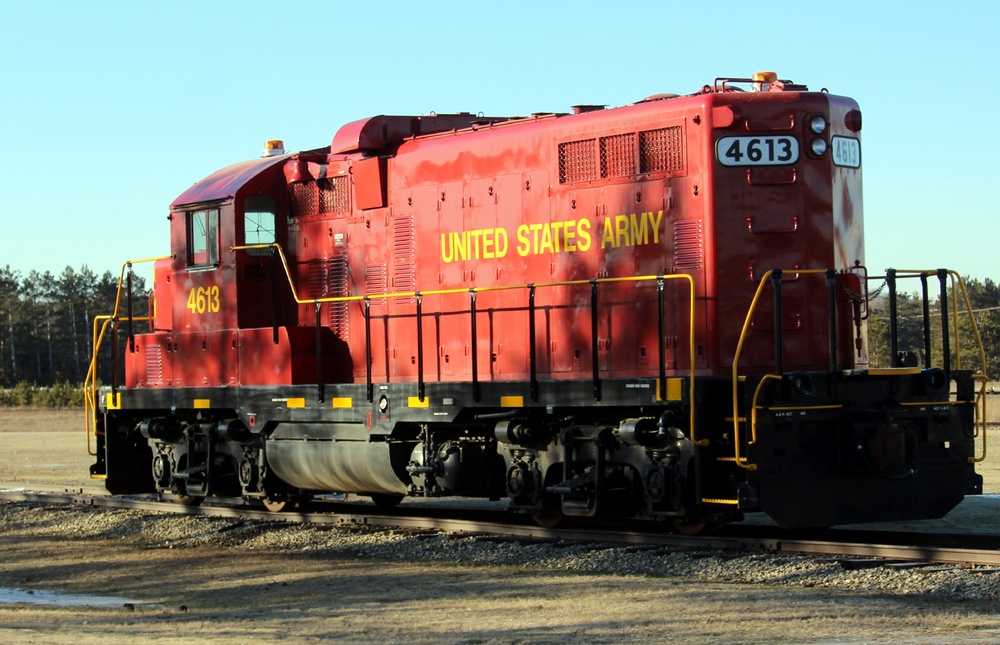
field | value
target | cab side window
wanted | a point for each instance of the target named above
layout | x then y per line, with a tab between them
203	238
258	222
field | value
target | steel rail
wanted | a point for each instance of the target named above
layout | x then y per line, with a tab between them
496	523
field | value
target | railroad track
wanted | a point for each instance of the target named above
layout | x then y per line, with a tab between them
854	548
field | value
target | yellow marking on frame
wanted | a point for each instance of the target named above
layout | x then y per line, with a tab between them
415	402
98	476
675	389
730	502
295	403
114	400
894	371
512	401
343	402
202	404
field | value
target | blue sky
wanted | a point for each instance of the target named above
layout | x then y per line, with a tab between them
109	110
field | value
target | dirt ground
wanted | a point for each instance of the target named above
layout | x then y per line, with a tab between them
235	596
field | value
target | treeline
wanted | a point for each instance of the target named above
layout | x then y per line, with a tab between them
46	325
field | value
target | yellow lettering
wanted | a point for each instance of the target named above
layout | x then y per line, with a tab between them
474	243
488	244
656	226
522	238
447	250
501	236
608	237
569	232
621	230
546	244
583	229
639	233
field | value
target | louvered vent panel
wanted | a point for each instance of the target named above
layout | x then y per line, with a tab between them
577	161
375	282
404	275
304	198
154	365
334	194
337	286
661	150
316	280
689	245
618	157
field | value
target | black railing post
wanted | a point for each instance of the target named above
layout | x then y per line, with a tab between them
532	351
274	299
890	283
368	350
778	355
475	345
131	332
319	356
593	336
831	298
420	348
661	326
927	320
945	332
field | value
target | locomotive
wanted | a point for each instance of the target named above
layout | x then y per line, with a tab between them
651	311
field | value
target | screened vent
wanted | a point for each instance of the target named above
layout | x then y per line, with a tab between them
689	245
304	198
334	194
404	275
618	158
375	282
330	279
661	150
154	365
337	279
577	161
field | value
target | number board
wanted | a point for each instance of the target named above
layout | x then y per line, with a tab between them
847	152
762	150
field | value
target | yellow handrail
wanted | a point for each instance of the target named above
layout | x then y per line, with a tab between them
468	290
90	381
979	405
742	462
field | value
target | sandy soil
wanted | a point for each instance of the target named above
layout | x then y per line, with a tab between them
228	595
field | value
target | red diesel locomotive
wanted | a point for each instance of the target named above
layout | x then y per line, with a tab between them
655	311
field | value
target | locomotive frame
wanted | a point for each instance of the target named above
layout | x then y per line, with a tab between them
678	430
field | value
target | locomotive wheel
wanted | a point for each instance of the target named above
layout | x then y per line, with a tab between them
547	520
276	505
386	501
688	528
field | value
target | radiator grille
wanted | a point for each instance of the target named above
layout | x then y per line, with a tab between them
304	198
334	194
661	150
330	279
577	161
618	155
338	286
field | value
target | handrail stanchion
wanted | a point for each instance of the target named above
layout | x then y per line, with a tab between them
369	390
475	345
593	339
926	320
661	333
945	333
890	283
778	354
532	351
831	299
420	347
